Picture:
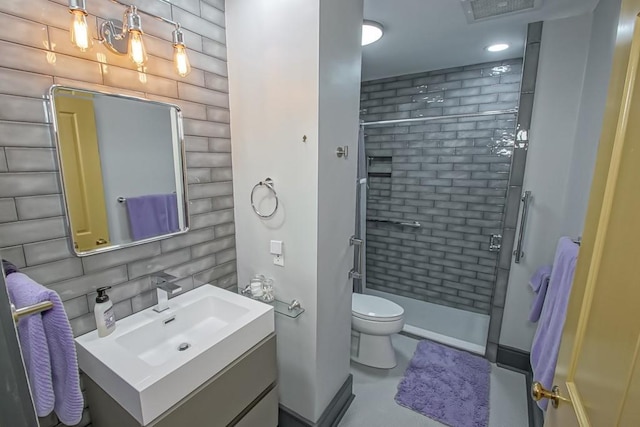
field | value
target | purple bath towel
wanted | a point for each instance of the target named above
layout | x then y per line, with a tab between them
447	385
546	342
539	283
152	215
49	351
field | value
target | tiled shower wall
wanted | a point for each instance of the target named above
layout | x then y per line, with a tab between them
35	52
450	175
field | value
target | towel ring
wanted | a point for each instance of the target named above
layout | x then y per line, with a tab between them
269	184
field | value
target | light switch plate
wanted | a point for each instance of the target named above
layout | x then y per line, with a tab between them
276	247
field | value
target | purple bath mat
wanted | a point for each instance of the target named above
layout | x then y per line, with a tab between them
447	385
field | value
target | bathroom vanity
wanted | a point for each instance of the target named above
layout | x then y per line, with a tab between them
209	360
243	394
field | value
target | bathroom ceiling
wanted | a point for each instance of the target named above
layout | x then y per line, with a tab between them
422	35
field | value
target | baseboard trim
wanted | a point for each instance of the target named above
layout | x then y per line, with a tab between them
519	361
331	416
513	358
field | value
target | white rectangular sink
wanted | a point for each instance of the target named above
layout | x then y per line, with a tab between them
153	360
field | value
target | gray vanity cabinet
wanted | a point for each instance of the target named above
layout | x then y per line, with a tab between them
244	394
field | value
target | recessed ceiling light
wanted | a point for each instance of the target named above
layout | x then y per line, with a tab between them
371	32
499	47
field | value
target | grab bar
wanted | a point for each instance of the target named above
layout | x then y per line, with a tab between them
356	273
526	200
412	224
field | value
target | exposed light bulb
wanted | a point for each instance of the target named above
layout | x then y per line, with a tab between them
181	60
80	30
137	52
133	27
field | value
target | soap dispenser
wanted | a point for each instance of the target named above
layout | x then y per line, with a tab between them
105	318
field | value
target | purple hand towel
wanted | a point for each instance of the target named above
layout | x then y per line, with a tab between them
546	342
9	268
49	351
152	215
539	283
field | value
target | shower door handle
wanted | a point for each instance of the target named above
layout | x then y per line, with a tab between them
526	200
356	273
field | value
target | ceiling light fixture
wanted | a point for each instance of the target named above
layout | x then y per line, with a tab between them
498	47
371	32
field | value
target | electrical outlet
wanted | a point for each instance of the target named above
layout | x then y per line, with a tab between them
276	251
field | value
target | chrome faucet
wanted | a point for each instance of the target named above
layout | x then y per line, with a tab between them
246	291
165	286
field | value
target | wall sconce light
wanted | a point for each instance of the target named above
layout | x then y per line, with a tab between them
180	58
125	37
79	29
133	28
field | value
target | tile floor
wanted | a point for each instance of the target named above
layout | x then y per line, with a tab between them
375	389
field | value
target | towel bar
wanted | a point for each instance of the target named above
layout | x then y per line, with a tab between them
124	199
29	310
412	224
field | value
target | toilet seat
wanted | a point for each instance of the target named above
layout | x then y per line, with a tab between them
372	308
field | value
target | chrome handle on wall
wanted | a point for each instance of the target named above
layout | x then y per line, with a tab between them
412	224
526	200
356	273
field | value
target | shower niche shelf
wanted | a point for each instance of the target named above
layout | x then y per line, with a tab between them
380	166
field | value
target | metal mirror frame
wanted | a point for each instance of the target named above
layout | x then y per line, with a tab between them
55	135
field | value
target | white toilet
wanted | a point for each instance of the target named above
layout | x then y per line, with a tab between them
373	321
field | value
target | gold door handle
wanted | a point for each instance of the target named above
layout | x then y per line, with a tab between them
538	392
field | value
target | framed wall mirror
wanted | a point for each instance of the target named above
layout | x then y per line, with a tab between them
122	167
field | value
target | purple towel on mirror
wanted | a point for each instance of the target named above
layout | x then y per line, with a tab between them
49	351
546	342
539	282
152	215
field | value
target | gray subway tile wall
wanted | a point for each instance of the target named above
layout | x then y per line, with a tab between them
451	175
35	52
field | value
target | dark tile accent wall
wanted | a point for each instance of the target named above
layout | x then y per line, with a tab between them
450	175
515	190
35	52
